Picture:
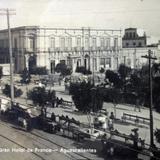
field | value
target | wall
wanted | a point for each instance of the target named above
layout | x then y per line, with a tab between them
134	55
5	69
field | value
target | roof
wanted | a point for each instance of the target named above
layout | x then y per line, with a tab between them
21	28
59	28
130	29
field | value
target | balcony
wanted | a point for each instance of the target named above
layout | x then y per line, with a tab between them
30	50
51	49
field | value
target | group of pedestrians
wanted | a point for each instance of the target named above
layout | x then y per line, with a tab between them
59	101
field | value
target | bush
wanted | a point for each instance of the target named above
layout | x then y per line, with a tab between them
83	70
102	70
111	95
7	91
113	78
86	97
40	96
63	69
124	71
39	71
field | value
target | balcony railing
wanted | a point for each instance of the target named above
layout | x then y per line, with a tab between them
81	49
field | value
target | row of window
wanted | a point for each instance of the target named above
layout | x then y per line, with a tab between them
67	42
4	60
134	44
130	35
105	62
3	43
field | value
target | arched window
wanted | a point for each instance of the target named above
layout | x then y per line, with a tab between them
139	44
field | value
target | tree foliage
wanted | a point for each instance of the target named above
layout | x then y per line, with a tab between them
102	70
124	71
86	97
133	85
38	70
40	96
63	69
7	91
113	78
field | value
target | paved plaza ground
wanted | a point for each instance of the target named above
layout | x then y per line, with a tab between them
144	132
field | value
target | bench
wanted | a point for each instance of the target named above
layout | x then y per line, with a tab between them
77	135
67	103
128	137
135	118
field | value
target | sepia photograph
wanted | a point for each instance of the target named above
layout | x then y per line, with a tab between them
79	80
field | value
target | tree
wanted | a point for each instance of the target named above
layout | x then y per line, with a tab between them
156	69
7	91
97	99
1	72
26	77
84	95
157	135
156	93
102	70
136	82
113	78
155	84
40	96
124	71
63	69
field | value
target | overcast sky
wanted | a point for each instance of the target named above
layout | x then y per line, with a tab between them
109	14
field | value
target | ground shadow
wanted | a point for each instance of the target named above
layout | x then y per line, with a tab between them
74	112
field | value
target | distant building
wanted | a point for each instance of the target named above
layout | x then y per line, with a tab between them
132	57
131	39
134	47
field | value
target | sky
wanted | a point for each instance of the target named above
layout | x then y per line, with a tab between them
106	14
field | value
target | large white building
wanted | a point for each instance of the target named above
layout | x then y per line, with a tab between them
92	48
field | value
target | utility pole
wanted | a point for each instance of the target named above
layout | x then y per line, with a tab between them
93	67
134	54
149	57
9	12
